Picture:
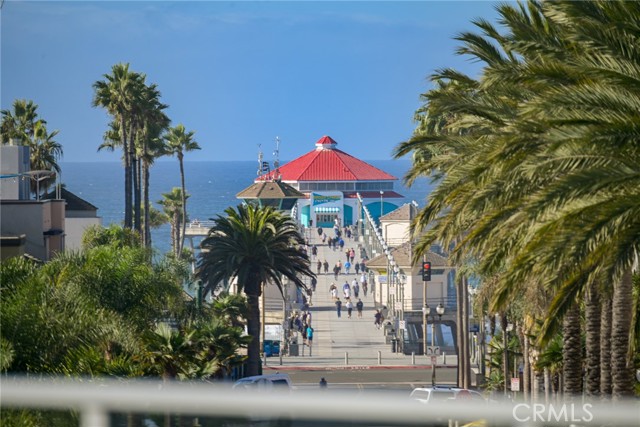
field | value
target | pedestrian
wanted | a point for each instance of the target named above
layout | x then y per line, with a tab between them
359	306
314	282
309	335
378	319
357	267
347	267
334	292
319	231
347	254
339	263
384	312
319	265
326	266
323	383
346	289
349	308
324	238
341	243
352	255
338	306
356	288
314	251
363	267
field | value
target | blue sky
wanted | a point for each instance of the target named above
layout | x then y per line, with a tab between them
238	73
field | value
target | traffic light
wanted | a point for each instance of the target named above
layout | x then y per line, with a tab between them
426	271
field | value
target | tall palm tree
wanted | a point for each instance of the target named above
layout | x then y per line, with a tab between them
117	93
44	154
538	167
254	246
179	141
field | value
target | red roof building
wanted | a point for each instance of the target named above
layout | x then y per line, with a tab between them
330	179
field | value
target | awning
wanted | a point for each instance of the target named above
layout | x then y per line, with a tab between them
321	209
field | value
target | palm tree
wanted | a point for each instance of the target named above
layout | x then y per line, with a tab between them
254	246
117	94
538	165
20	124
44	154
178	142
172	207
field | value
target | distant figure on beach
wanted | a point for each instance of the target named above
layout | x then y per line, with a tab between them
323	383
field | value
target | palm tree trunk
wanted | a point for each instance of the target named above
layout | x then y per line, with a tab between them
147	206
526	375
505	351
184	207
605	346
253	328
459	331
621	367
466	373
572	353
592	329
127	175
137	178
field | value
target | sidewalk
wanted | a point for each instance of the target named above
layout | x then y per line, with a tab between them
343	343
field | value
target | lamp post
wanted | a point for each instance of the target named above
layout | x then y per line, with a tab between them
381	204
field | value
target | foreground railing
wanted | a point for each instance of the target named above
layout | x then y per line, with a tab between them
96	400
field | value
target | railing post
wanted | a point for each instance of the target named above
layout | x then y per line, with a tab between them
346	358
413	357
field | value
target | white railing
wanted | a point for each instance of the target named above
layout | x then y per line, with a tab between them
95	400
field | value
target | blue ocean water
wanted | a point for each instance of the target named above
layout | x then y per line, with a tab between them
212	187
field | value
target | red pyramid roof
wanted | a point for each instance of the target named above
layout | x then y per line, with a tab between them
327	163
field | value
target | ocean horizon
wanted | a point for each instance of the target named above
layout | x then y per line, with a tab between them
212	186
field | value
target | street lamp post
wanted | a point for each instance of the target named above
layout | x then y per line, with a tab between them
381	205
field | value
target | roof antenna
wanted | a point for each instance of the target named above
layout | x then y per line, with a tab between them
276	162
262	165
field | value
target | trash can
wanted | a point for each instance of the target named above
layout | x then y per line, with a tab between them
268	348
293	348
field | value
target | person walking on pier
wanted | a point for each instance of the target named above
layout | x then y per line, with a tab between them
338	306
357	267
319	265
349	308
359	306
326	266
347	267
355	287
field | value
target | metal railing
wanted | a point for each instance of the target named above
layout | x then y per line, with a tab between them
96	400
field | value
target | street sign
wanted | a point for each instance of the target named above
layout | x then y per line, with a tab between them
433	350
515	384
403	324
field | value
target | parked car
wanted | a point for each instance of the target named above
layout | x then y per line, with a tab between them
271	382
430	395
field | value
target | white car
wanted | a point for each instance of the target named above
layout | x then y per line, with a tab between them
430	395
271	382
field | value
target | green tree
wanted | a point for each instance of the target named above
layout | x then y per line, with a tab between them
179	141
254	247
117	94
172	207
537	163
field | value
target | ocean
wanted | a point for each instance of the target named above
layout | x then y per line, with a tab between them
212	187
